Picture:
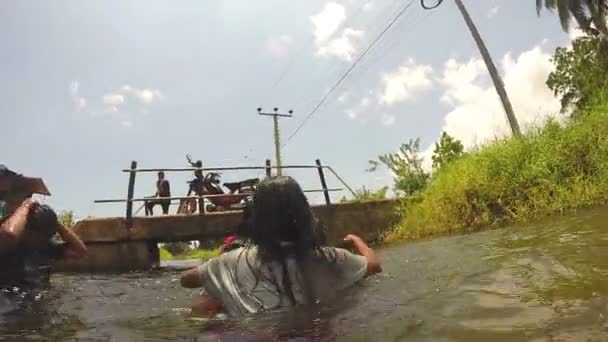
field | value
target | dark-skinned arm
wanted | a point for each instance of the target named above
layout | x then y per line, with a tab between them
12	229
205	306
191	279
373	264
75	249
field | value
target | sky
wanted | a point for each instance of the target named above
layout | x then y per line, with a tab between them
89	86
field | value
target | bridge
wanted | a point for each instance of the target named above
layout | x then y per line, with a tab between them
130	242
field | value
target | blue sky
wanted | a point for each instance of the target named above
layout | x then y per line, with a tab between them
89	86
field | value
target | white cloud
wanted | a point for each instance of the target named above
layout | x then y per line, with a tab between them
369	5
476	114
279	46
327	24
341	47
344	97
408	80
576	33
351	114
79	102
388	120
328	21
144	96
74	88
113	100
365	102
493	11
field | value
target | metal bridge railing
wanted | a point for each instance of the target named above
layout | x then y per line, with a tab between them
133	170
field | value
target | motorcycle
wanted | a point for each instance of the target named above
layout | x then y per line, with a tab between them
209	184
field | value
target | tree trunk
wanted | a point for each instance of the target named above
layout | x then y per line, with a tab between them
496	79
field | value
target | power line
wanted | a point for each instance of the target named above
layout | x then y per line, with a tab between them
296	56
343	77
427	7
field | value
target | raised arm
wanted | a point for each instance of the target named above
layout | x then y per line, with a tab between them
373	264
76	249
14	226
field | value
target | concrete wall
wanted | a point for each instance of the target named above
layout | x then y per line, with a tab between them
112	246
114	257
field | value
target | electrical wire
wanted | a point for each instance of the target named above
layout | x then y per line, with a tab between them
427	7
296	56
348	71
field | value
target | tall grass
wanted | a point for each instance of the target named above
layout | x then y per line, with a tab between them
203	254
549	170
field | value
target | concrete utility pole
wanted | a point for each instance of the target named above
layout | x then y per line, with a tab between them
277	136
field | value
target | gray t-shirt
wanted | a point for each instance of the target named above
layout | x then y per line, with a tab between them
245	286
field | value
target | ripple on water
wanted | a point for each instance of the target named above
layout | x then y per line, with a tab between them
546	281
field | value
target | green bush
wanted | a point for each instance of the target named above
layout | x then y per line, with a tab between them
550	170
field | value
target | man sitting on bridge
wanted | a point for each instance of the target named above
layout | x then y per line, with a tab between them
284	264
26	231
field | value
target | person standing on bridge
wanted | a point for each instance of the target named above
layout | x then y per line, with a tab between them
27	228
284	264
163	189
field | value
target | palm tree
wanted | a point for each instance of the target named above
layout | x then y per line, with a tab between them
496	79
589	14
485	54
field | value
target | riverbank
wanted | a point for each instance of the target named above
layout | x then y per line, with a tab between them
202	254
550	170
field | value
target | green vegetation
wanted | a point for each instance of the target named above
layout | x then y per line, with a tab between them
446	151
548	170
581	73
406	165
66	217
590	15
365	194
203	254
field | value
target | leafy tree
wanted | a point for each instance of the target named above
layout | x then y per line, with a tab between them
580	72
66	217
447	149
589	14
176	248
407	167
364	194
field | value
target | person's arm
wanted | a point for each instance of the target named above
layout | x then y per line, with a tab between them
191	279
13	227
75	248
167	188
373	264
205	306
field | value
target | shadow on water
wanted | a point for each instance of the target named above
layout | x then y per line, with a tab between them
538	282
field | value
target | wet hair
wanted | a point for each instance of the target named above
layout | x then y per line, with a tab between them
282	226
42	219
244	229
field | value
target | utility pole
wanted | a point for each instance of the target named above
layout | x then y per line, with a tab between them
277	136
485	54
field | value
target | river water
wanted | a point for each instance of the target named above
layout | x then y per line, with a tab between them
538	282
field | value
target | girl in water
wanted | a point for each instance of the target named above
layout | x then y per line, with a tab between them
284	263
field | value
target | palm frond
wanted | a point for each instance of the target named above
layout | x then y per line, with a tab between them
563	11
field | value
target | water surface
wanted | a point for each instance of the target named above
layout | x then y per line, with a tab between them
539	282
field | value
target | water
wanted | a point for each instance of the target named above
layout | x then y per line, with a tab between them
540	282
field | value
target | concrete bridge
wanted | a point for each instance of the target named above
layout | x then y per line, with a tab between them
114	246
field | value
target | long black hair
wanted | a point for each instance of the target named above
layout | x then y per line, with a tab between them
281	225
